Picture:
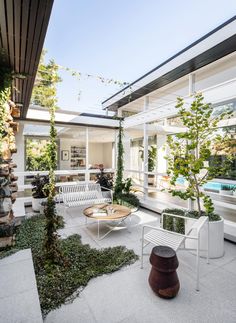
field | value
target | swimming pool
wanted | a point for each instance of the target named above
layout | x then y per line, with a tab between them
209	186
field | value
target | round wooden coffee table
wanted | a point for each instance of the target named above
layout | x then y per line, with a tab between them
107	212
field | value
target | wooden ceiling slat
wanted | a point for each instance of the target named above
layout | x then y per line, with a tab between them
10	28
31	32
23	26
24	32
37	33
17	32
34	49
3	29
47	11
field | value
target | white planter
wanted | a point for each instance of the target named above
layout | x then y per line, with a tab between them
37	204
224	192
216	238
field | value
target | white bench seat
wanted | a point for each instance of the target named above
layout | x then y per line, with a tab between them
83	194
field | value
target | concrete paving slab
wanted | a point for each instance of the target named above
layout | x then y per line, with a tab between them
21	307
78	311
19	302
231	267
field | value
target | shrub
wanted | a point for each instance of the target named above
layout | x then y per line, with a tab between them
128	199
178	225
195	215
174	224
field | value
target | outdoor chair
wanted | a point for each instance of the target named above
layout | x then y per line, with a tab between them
161	237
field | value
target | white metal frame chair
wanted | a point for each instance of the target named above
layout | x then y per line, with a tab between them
159	236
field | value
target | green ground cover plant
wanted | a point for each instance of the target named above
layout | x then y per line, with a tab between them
59	284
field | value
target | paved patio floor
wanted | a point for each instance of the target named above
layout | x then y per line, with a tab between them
125	295
19	300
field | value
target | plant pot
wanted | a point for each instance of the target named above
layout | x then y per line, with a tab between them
216	238
224	192
37	204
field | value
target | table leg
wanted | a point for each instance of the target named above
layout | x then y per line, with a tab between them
113	228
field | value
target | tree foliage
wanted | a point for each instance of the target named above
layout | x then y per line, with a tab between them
45	90
191	150
36	154
152	157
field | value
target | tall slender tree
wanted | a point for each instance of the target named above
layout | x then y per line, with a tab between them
44	94
193	153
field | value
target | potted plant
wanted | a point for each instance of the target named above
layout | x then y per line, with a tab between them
226	189
39	192
189	157
152	158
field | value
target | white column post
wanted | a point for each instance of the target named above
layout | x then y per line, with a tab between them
191	84
87	155
191	90
119	113
145	147
114	162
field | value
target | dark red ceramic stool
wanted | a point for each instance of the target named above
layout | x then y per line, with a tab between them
163	278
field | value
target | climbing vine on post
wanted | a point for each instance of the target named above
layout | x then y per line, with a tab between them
191	151
44	94
120	163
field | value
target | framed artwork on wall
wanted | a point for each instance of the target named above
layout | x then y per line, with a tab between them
65	155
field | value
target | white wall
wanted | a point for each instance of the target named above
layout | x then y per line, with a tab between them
100	153
95	153
161	153
107	155
168	93
216	73
65	144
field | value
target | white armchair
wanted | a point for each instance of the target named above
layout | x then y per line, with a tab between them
161	237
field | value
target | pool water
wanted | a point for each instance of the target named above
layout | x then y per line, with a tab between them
210	185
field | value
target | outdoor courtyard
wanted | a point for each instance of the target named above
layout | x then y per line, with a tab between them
117	161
